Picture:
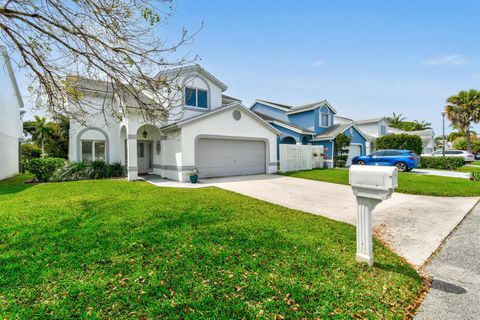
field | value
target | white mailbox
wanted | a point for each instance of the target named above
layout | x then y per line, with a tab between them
377	182
370	185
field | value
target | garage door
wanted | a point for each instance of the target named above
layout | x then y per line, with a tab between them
353	151
221	157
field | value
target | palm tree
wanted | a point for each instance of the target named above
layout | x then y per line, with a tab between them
395	120
422	125
463	110
41	131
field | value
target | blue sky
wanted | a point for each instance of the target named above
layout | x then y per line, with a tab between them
368	58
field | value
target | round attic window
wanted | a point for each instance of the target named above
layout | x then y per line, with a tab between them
237	115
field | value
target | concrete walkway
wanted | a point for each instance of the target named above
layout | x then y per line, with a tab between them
442	173
455	292
414	225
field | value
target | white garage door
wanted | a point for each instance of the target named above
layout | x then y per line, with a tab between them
222	157
353	151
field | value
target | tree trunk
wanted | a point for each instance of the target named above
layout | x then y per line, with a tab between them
467	139
43	150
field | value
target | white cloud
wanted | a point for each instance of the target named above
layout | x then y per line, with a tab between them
451	60
318	63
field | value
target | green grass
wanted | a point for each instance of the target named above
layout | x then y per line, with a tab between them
117	249
407	182
476	163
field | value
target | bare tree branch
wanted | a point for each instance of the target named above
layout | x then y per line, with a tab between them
109	48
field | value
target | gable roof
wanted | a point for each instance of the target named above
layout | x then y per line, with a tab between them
371	120
279	106
312	106
190	69
284	124
335	130
234	105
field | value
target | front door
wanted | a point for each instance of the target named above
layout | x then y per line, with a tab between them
143	157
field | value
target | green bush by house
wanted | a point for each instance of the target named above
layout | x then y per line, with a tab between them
57	169
72	171
43	168
446	163
342	141
28	152
400	142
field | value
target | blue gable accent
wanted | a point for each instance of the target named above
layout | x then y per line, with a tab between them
311	119
303	119
269	111
356	137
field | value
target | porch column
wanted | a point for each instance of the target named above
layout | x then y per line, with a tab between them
132	156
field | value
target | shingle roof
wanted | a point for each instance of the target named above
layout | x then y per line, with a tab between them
369	120
271	119
311	106
333	131
275	103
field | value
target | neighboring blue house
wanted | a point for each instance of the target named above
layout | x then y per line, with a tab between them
310	124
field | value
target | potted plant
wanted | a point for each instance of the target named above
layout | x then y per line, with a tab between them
193	175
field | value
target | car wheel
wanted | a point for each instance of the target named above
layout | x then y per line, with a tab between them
360	162
402	167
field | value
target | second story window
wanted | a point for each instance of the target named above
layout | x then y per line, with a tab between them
324	119
196	98
383	129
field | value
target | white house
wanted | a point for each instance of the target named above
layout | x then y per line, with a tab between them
378	127
206	130
427	136
11	129
371	128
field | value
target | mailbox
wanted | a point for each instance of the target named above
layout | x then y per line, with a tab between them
371	185
375	182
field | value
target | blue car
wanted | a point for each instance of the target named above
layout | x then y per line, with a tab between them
404	160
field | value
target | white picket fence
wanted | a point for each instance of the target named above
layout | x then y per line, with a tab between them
300	157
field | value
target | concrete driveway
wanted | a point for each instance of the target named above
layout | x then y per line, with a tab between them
414	226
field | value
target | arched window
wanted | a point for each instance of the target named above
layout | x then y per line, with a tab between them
92	145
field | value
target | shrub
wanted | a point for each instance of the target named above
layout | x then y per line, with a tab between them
29	151
400	142
475	176
72	171
340	161
446	163
43	168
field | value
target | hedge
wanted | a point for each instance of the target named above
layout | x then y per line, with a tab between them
87	170
43	168
446	163
400	142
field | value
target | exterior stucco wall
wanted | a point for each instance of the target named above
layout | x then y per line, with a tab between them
196	80
327	150
10	122
223	125
96	128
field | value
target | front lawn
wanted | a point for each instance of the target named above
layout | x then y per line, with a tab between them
118	249
408	182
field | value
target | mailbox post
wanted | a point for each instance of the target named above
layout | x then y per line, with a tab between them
371	185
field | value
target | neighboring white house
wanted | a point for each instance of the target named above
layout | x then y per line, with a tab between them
11	129
378	127
371	128
427	136
206	130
